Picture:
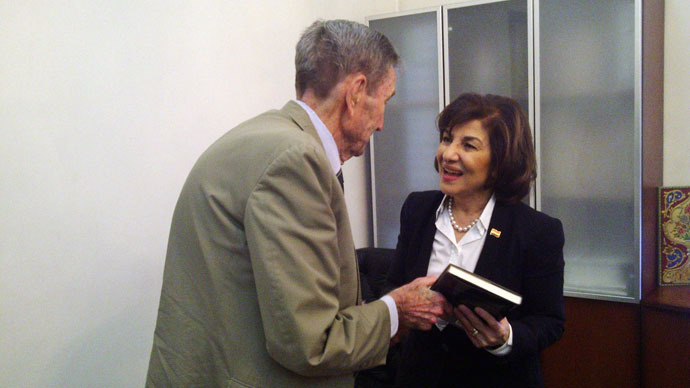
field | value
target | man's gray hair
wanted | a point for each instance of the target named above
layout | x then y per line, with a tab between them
330	50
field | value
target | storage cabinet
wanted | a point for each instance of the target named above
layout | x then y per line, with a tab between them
594	95
576	68
402	154
589	140
487	50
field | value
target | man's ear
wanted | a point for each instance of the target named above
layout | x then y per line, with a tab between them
355	89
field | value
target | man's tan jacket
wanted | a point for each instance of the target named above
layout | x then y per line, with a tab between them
261	287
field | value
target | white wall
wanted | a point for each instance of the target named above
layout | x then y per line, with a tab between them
104	107
677	93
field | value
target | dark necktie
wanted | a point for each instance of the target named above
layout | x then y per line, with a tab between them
340	179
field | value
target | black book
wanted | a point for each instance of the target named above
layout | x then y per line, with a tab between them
464	287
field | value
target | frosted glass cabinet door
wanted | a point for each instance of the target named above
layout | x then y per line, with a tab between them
589	155
402	153
487	49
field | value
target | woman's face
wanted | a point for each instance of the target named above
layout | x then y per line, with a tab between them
463	160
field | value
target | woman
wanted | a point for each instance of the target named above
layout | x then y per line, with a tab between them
487	164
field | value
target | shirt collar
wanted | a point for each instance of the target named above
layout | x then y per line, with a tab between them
484	218
326	137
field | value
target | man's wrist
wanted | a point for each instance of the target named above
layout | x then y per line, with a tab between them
392	312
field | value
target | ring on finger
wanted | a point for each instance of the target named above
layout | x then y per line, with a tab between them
474	332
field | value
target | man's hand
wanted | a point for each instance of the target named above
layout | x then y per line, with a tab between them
418	306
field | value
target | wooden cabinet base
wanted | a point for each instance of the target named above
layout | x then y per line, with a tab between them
600	346
665	348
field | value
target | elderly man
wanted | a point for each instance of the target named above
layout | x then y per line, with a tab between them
261	286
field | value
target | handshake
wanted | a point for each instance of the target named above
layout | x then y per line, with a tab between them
418	306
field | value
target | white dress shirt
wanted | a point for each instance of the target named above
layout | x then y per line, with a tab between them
334	158
464	253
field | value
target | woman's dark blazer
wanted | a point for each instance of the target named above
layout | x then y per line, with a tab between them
527	257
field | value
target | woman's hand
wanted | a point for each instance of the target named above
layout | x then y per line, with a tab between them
482	329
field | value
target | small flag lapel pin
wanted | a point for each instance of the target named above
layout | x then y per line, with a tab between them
495	232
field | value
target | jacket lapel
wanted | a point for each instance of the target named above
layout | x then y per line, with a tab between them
427	232
496	245
300	117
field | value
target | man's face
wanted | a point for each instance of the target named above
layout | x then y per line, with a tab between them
367	117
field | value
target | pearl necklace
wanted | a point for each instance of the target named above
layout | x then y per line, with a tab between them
455	224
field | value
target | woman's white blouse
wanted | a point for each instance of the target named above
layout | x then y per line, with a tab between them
464	253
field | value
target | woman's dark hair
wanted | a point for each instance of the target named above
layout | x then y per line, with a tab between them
513	162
